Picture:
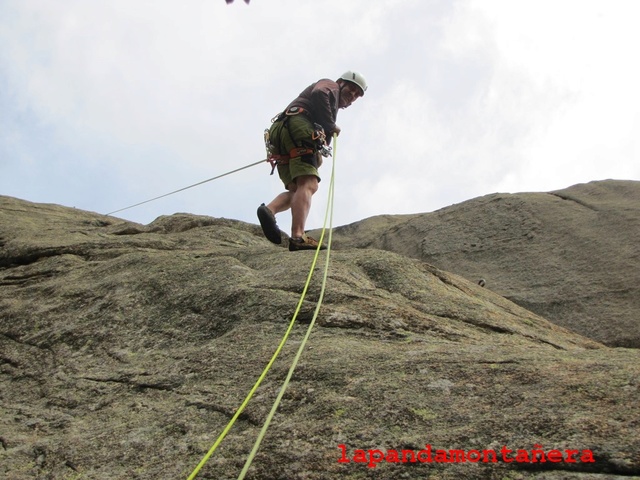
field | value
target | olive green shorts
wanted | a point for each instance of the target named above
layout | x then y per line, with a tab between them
296	167
298	132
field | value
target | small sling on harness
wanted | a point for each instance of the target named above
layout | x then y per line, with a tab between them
318	137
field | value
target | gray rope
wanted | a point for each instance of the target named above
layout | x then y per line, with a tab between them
185	188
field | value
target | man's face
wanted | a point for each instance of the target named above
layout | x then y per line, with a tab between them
349	93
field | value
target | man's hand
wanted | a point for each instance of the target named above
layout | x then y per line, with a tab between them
336	131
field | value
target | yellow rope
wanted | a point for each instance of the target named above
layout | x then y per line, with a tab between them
285	384
280	346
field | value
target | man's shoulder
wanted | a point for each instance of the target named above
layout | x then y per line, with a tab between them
326	83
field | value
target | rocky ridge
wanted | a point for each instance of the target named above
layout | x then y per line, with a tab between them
571	256
125	350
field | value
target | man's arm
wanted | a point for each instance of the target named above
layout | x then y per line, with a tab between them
324	97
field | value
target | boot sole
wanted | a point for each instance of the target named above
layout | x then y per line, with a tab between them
269	225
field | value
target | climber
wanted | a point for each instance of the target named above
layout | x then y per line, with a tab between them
297	139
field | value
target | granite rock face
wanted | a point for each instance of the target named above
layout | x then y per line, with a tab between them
571	256
125	349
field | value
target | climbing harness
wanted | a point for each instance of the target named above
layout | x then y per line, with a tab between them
328	214
318	137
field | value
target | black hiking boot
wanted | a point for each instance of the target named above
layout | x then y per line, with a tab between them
269	225
304	243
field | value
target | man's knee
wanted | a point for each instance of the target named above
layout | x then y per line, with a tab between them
308	182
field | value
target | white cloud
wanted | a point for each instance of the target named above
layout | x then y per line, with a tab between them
465	98
578	57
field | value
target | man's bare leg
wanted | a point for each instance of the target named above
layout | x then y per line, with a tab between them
281	203
306	186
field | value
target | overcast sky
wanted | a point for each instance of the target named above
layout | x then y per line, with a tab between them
107	103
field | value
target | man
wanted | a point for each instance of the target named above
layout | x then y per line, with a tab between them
295	141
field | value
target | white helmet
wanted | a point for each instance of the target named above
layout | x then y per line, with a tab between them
355	77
